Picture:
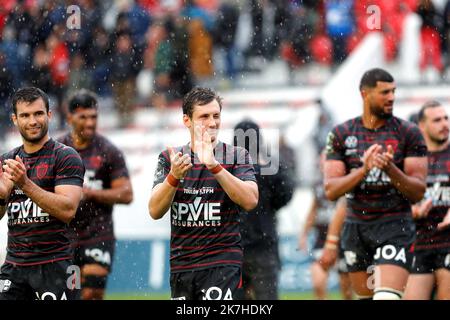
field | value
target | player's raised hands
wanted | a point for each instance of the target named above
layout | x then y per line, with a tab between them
16	171
203	146
369	156
383	160
179	163
6	184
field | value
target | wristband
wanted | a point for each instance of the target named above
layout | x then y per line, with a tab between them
174	182
331	246
332	238
216	169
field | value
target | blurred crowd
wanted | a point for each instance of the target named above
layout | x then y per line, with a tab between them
162	48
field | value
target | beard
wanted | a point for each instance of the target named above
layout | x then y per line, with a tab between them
438	141
34	139
379	113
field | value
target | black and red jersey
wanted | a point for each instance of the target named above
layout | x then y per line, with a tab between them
375	198
34	236
204	220
438	189
104	163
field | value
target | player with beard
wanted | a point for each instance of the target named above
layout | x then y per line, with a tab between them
106	183
379	162
204	183
40	189
431	264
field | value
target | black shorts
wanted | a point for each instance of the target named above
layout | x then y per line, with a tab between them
101	252
377	243
428	261
219	283
50	281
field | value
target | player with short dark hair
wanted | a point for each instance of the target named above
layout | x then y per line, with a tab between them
204	183
106	183
40	188
379	162
431	265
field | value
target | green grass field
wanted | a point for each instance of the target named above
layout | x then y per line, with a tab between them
166	296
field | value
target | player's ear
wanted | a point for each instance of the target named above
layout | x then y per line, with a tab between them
187	121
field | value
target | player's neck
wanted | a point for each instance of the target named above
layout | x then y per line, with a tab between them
435	147
80	142
32	147
371	121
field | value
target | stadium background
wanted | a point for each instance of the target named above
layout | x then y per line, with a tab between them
284	101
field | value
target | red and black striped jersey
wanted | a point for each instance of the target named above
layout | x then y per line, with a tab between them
35	236
104	163
375	198
205	229
438	189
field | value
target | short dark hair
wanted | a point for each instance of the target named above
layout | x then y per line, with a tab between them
82	98
199	96
427	105
372	76
29	95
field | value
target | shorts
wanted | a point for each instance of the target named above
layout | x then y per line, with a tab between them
51	281
101	252
219	283
377	243
428	261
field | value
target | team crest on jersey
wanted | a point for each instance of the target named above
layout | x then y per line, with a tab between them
393	143
351	142
95	162
41	170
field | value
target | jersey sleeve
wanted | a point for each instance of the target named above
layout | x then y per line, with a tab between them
415	143
117	164
162	168
69	168
334	147
243	169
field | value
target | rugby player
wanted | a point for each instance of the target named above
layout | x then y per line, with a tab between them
106	183
40	189
431	264
204	183
379	161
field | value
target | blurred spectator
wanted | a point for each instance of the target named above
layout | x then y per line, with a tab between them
200	53
258	227
40	70
181	76
59	61
302	24
79	75
159	57
124	68
225	35
432	24
340	25
6	90
98	58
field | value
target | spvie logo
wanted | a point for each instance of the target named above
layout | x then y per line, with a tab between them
73	21
374	20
